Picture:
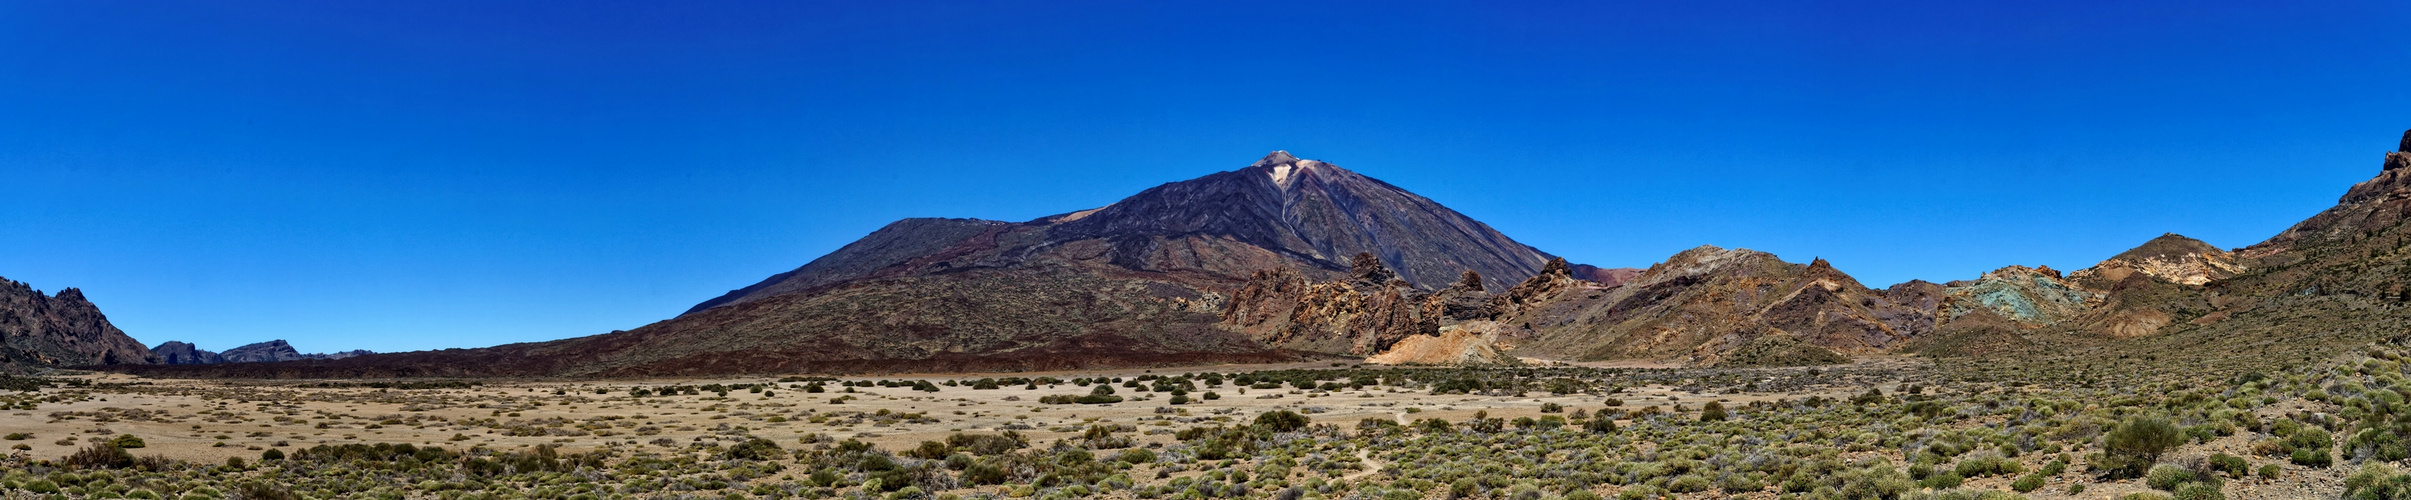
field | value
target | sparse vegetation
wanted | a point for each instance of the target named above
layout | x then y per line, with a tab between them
1350	432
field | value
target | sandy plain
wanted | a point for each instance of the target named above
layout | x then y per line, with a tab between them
211	420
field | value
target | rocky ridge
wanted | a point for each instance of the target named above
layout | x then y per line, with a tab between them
41	330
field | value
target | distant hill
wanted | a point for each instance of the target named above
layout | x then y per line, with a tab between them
181	353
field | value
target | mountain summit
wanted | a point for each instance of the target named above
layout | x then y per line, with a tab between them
1280	211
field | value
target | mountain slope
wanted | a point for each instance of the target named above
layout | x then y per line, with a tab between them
899	241
39	330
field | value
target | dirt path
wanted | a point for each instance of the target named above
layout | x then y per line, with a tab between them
1365	455
1371	466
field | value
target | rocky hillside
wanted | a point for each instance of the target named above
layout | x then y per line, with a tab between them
1705	303
39	330
2338	275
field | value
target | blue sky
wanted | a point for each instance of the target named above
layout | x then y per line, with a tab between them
414	175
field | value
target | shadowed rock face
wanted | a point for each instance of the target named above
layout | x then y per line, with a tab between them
62	330
181	353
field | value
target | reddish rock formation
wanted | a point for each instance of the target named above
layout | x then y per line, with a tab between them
62	330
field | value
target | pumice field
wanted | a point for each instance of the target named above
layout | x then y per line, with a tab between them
1879	428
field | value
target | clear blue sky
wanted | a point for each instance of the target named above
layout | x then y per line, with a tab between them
420	174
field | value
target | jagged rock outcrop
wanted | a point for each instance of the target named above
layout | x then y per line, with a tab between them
1462	301
182	353
39	330
1362	315
1555	277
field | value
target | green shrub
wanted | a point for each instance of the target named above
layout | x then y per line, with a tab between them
1689	483
1464	488
2167	477
2028	483
1712	412
1282	421
2311	447
2199	491
827	478
126	441
2235	467
2378	481
2134	445
100	456
758	449
930	450
1987	464
2312	457
2271	471
41	486
1942	480
1600	425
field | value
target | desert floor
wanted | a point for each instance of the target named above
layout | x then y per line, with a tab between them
210	420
